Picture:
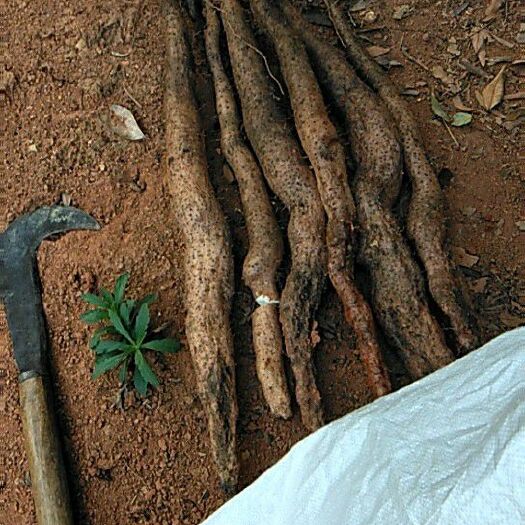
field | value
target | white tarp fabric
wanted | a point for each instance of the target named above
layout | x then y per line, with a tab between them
448	449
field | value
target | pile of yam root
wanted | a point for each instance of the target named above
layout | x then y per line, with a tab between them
340	195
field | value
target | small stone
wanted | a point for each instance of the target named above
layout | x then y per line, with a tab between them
81	44
370	17
463	258
32	148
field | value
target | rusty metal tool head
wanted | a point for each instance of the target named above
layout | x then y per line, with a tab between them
19	282
21	294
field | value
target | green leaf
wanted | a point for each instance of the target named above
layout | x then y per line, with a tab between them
97	336
108	296
163	345
119	327
124	312
461	119
140	383
94	316
95	339
141	323
148	299
438	109
105	363
145	370
120	287
123	372
95	300
131	304
106	347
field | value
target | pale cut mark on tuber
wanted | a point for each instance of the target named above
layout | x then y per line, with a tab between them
319	139
208	263
426	218
264	237
397	291
291	180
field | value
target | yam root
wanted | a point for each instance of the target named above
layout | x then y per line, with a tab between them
397	286
426	222
319	139
265	243
291	180
208	261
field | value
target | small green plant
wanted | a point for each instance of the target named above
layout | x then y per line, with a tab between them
125	335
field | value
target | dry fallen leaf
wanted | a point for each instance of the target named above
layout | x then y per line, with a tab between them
493	92
123	123
453	48
460	8
377	51
516	114
517	95
492	61
402	11
479	39
492	10
502	41
360	5
459	104
520	37
482	57
386	62
518	66
442	75
463	258
479	285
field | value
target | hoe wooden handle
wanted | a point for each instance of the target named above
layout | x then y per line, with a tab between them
48	477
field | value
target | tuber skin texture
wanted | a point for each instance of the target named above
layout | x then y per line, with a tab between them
291	180
397	289
319	139
426	220
265	243
208	261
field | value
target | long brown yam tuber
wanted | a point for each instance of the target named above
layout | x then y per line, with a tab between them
397	287
397	292
291	180
265	242
208	260
426	223
319	139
